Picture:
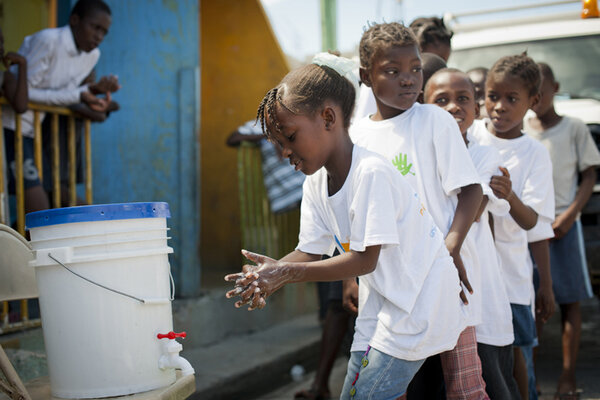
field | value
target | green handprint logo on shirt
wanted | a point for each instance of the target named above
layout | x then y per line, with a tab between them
401	162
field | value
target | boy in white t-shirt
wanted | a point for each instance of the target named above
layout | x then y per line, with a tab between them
572	151
424	144
512	87
453	91
409	307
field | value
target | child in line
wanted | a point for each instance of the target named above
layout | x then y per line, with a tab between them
424	143
512	87
453	91
478	76
354	200
433	36
572	151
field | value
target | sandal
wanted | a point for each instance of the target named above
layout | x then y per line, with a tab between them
572	395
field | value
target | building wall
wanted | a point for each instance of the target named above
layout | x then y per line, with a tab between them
147	151
241	61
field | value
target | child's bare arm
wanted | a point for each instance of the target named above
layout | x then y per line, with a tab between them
106	84
469	200
15	88
544	298
523	215
272	275
565	221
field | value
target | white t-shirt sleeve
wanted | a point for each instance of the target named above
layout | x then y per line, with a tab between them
374	210
541	231
587	152
454	163
314	237
538	190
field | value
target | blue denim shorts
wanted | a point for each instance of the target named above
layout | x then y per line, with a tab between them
523	325
374	375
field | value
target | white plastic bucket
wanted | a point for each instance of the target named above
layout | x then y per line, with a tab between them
101	337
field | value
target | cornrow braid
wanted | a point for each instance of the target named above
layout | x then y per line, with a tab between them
266	106
380	36
521	66
305	90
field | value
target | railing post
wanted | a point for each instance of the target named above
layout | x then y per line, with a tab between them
3	189
37	143
72	162
55	162
19	184
88	161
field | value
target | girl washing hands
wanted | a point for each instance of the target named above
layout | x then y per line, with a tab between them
354	200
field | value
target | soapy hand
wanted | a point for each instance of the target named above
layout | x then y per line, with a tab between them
256	282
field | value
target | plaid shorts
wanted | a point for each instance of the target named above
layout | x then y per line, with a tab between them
462	369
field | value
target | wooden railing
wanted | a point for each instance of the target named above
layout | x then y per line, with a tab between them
263	231
23	320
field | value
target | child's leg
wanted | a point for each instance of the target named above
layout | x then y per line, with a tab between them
520	372
497	368
374	375
462	369
571	332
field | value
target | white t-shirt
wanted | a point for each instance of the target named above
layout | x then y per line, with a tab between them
425	145
496	327
409	306
530	169
365	104
572	150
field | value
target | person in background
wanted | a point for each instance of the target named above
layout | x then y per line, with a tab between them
433	36
59	60
512	88
572	151
478	76
13	86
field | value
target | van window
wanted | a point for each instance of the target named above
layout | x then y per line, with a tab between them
574	60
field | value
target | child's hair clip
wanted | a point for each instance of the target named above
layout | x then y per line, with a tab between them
342	65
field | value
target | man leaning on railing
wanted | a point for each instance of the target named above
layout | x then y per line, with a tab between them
60	61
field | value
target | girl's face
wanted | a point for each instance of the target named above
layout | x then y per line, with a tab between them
454	93
396	78
302	139
506	101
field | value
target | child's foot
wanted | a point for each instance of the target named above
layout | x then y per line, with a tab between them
566	389
312	394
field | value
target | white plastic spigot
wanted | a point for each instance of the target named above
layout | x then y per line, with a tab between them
171	357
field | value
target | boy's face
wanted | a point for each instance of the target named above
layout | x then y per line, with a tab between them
454	93
547	92
396	78
90	30
507	100
303	139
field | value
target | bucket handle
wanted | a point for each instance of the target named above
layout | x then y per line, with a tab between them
143	301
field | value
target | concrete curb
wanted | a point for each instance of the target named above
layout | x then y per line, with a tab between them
245	366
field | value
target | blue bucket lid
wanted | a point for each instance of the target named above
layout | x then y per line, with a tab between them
97	212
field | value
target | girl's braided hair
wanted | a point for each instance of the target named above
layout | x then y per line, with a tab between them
380	36
431	30
521	66
305	90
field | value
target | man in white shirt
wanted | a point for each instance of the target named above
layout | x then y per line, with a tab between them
59	60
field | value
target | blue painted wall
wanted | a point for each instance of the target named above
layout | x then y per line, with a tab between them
148	150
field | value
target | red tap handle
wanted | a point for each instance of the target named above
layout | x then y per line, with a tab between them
171	335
